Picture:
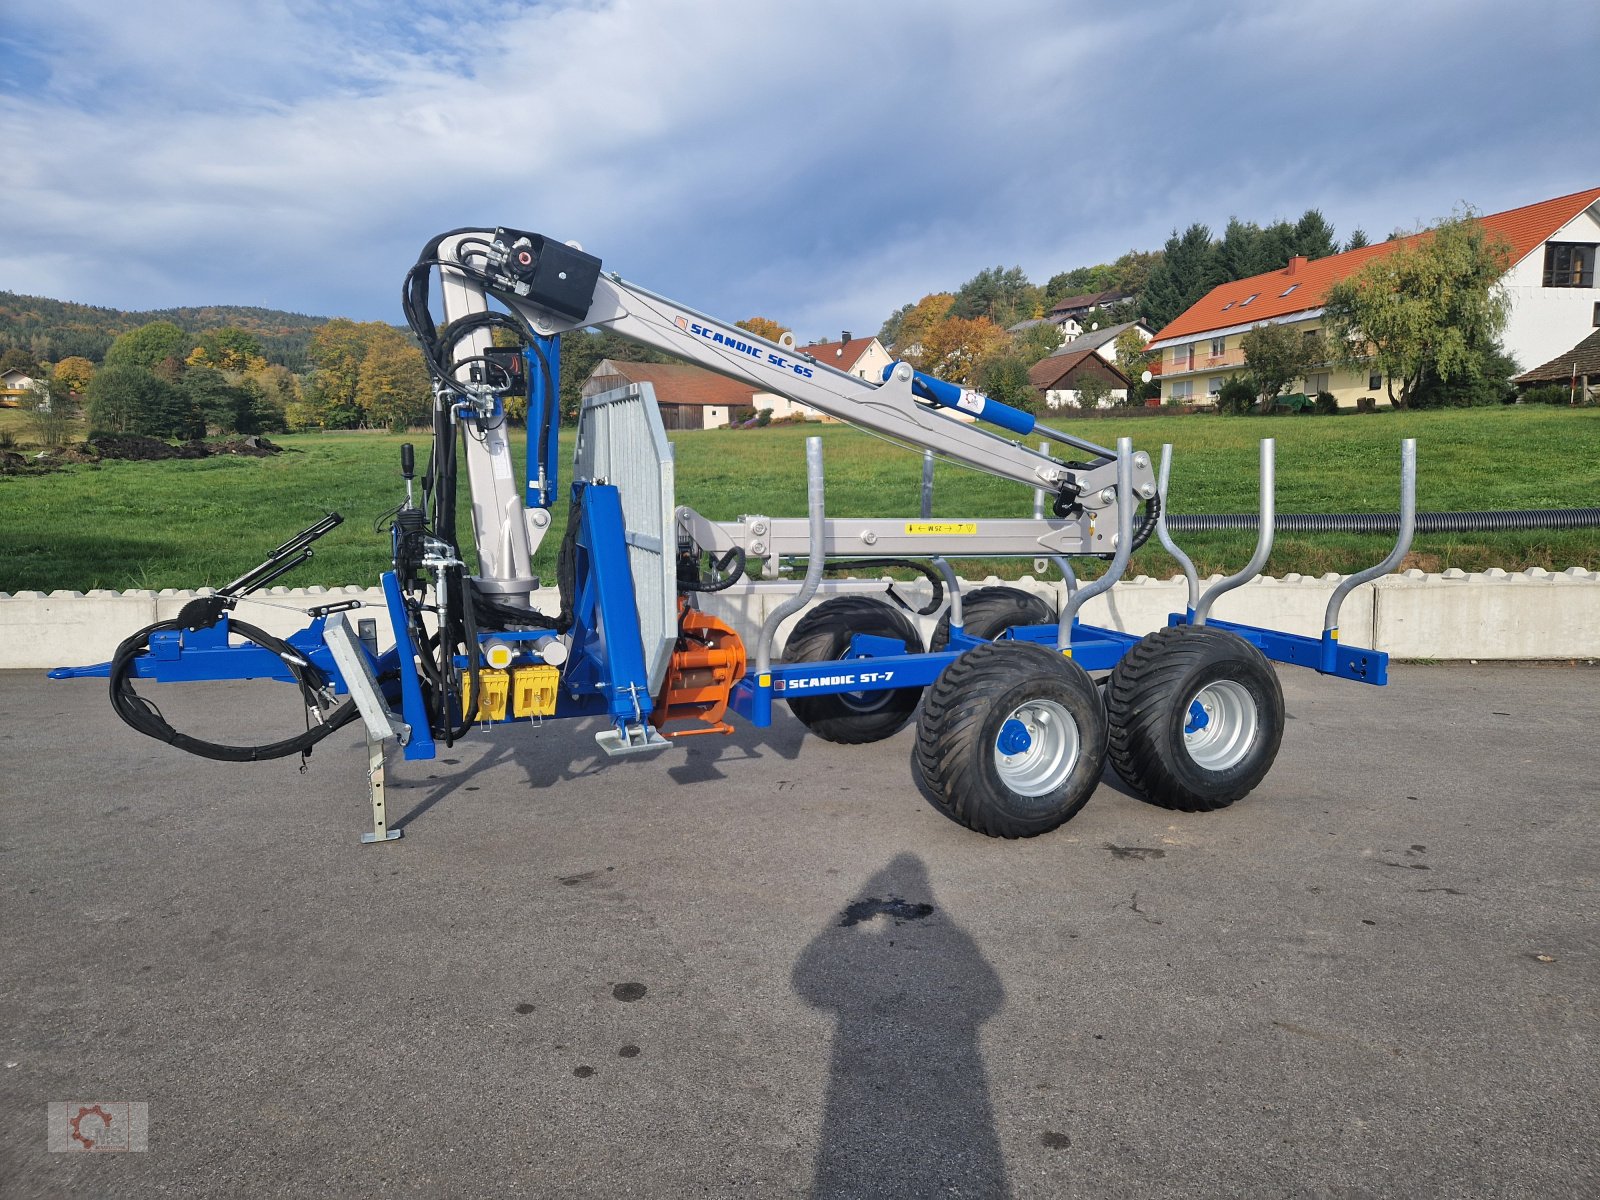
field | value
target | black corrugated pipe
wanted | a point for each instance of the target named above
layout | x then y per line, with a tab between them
1446	522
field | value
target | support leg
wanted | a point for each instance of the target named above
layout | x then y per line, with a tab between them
380	817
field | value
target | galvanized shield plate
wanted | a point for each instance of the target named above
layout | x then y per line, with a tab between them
621	441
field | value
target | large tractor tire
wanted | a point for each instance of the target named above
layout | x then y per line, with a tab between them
823	635
1196	717
987	612
1012	739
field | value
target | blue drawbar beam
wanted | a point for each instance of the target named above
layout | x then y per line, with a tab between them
948	395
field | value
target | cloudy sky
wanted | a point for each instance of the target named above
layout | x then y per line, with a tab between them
820	163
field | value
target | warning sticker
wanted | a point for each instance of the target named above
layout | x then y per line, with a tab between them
938	528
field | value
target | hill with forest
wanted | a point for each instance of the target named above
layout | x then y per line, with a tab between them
52	330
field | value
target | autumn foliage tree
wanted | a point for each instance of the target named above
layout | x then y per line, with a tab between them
764	327
392	384
957	347
73	373
366	373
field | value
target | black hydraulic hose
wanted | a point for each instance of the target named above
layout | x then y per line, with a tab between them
140	714
921	568
1438	522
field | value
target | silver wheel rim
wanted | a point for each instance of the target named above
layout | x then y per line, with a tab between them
1220	725
1044	743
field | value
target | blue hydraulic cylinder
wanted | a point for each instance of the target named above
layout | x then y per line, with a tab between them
949	395
544	406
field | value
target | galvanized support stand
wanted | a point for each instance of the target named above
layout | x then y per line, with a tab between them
380	816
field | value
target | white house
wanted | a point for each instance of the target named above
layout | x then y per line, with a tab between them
1550	283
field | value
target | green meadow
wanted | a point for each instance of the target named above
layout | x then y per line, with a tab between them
184	523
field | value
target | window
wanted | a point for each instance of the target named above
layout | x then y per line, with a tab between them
1287	290
1227	306
1245	302
1214	388
1219	347
1183	357
1569	264
1597	314
1316	383
1182	389
1375	378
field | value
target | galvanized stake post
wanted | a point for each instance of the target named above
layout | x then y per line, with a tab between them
380	818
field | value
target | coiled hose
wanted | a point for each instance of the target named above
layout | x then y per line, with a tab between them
1439	522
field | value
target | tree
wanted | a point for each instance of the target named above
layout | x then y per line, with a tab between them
1188	270
1432	308
393	390
1003	296
337	349
1277	354
1313	236
1242	251
957	347
50	413
1036	342
1358	239
1005	378
228	349
1079	281
763	327
1236	395
148	346
73	373
1093	391
1132	358
914	322
130	399
223	405
18	359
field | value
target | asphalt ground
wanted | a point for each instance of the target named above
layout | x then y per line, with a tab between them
764	965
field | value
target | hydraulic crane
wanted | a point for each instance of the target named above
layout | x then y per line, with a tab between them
1020	704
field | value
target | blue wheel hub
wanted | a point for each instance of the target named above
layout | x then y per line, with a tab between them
1014	738
1198	718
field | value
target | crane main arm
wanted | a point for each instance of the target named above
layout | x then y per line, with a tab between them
554	287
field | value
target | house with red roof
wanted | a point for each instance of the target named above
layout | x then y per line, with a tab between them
1060	378
1550	283
688	397
863	357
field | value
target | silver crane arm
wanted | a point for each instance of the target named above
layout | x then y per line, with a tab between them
555	287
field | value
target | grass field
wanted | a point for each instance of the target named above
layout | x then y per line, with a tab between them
203	522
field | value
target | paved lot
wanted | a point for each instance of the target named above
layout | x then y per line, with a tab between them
765	966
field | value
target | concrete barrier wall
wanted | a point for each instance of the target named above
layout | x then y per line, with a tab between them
1535	614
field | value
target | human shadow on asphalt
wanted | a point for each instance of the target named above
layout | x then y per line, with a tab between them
908	1110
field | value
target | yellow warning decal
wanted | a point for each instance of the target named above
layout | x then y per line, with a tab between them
937	528
764	680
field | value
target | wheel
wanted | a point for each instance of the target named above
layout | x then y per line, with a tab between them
989	611
824	634
1012	739
1196	716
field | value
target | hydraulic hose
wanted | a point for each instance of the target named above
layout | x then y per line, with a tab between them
140	714
1493	521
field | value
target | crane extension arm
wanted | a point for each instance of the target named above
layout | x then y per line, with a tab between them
555	287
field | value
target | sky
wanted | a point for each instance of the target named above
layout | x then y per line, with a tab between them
819	163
